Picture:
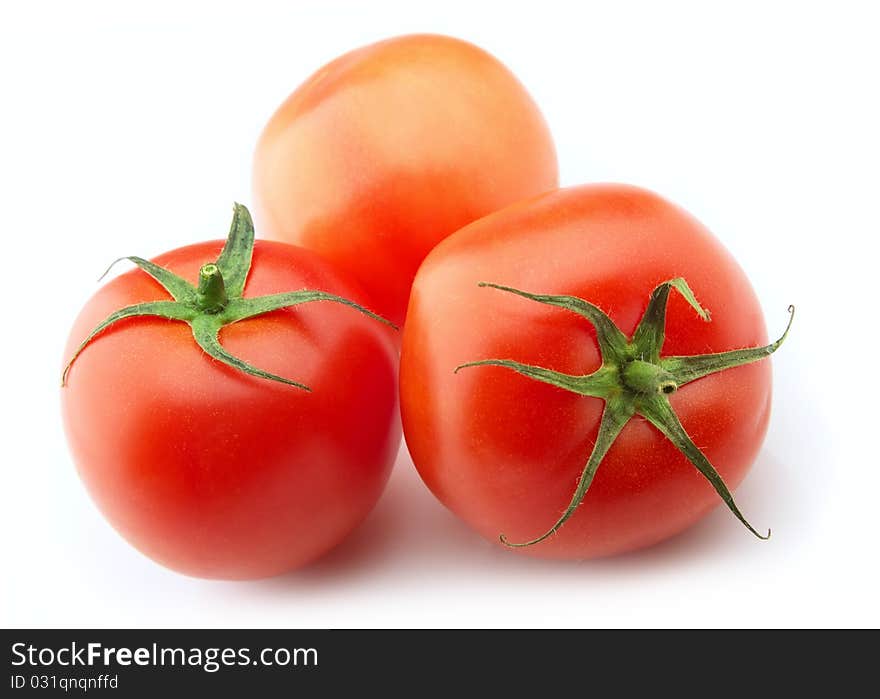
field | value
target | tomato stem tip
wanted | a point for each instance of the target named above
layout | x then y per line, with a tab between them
211	295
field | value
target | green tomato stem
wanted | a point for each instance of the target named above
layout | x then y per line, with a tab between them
644	377
217	300
634	380
211	295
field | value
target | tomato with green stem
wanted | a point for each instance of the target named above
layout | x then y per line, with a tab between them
236	427
559	396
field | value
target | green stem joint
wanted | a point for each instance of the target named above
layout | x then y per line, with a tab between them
211	293
647	378
217	300
635	380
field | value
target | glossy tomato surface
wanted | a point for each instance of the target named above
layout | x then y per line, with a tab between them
216	473
505	452
390	148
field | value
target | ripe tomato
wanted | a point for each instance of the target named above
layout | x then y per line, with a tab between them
217	473
505	445
390	148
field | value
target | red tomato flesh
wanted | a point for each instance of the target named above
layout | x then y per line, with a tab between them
215	473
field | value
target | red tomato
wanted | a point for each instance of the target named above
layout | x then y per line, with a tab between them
505	451
390	148
216	473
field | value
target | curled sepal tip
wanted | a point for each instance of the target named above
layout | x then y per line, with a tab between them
651	331
690	368
180	289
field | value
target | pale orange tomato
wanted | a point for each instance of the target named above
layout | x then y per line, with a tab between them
388	149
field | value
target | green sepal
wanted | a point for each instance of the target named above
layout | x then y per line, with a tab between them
687	369
651	331
217	301
235	258
635	380
239	309
170	310
616	414
612	342
599	384
180	289
659	413
206	331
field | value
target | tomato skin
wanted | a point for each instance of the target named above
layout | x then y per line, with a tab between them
505	452
215	473
390	148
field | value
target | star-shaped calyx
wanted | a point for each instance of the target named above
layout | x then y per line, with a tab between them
216	301
635	380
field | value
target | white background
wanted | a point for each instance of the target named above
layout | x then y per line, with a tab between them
130	131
